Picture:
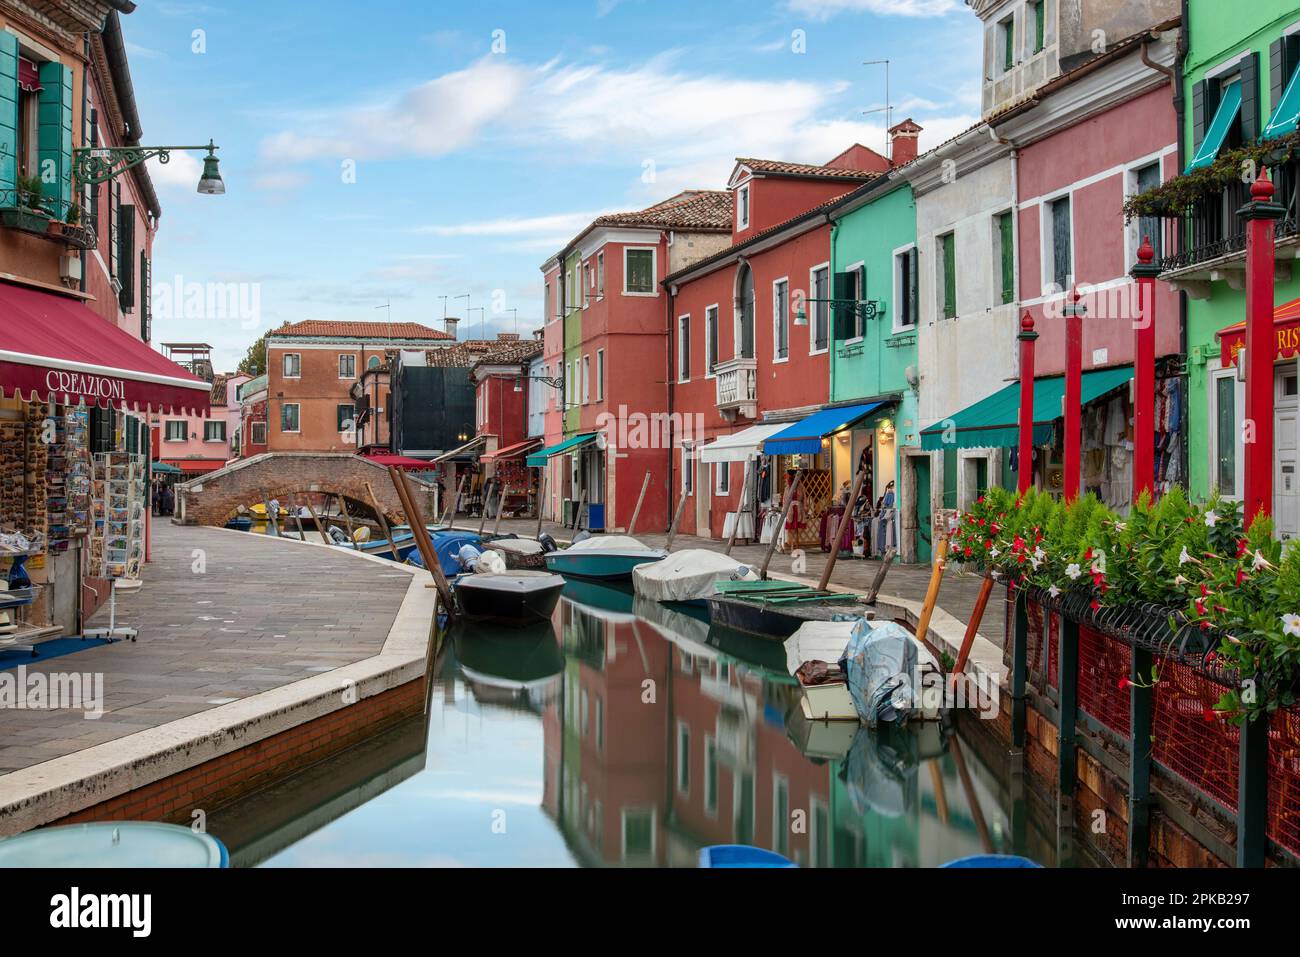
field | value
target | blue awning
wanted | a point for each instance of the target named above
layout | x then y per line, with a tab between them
805	437
1287	112
1229	107
540	458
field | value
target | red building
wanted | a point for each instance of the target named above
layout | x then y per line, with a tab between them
749	338
502	389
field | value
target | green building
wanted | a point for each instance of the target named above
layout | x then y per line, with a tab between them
874	259
1238	88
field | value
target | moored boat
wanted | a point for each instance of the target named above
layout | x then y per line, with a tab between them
741	855
517	596
689	576
773	609
115	844
604	558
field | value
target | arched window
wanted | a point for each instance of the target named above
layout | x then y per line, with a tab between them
744	312
373	362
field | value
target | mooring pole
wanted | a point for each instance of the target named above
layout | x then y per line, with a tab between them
541	504
636	512
740	510
383	521
790	494
845	517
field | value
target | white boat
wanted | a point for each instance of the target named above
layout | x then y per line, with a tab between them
822	641
603	557
690	575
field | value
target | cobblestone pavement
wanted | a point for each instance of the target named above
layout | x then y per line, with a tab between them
957	594
262	614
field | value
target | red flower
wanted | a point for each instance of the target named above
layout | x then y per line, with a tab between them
1210	656
1095	604
1209	714
1123	683
1204	591
1088	555
988	543
1241	576
967	552
1200	606
1242	547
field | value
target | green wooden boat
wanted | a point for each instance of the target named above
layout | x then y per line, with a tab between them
773	609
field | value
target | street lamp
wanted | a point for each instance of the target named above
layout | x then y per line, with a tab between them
99	164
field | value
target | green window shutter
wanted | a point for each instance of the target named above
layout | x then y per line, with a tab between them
1008	257
1039	21
126	255
1250	97
54	137
8	118
949	278
146	298
1009	48
840	309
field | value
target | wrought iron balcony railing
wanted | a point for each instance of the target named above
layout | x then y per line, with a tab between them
47	218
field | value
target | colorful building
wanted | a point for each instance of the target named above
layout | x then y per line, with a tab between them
200	444
501	414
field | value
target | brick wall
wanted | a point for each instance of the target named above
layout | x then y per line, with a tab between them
222	780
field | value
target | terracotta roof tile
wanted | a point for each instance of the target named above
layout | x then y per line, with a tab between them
804	169
218	396
361	330
690	209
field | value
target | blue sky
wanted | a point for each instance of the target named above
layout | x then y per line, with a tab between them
472	166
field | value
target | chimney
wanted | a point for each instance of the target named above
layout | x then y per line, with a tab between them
902	142
449	324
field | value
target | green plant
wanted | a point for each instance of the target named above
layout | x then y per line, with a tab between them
29	192
74	215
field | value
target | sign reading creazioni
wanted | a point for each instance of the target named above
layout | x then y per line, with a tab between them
79	383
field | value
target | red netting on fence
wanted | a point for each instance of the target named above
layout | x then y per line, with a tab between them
1191	740
1284	779
1053	648
1034	648
1102	663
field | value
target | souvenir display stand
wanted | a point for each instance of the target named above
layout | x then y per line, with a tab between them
117	545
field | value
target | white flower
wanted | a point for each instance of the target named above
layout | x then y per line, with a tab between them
1183	557
1035	561
1120	526
1053	591
1291	625
1073	570
1039	553
993	553
1211	518
1260	561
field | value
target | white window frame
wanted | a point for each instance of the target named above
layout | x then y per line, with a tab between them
1212	378
569	386
167	428
353	357
1132	237
252	433
860	268
900	292
586	379
585	280
684	367
600	275
710	360
721	478
745	204
688	470
220	422
680	766
1047	256
352	418
812	317
780	826
776	319
284	360
298	415
548	317
600	375
654	271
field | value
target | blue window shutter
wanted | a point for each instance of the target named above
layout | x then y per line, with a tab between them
54	143
8	118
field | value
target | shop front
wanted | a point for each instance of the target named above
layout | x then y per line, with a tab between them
76	394
757	492
516	484
577	475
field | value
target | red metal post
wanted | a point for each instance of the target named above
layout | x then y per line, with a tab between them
1257	433
1025	473
1074	314
1144	372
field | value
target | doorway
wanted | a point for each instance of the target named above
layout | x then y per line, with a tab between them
1286	431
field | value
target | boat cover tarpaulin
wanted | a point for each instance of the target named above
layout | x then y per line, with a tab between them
881	660
609	543
688	575
817	641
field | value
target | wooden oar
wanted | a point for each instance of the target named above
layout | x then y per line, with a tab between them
541	505
383	521
776	532
415	519
454	505
932	594
888	559
839	529
740	510
636	512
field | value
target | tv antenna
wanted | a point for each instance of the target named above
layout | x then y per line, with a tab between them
887	109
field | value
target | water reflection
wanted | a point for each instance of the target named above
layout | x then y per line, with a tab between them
633	733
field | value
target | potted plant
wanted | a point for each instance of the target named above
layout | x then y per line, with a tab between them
28	213
71	230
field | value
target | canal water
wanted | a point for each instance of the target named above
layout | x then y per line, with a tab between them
631	733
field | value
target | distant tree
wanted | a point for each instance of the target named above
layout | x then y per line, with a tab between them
254	361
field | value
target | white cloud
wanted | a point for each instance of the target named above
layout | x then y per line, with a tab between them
825	9
181	172
513	226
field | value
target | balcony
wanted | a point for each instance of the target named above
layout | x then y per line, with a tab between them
1207	242
47	218
737	385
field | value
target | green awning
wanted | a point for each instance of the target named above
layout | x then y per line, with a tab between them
1287	112
540	458
993	423
162	468
1229	107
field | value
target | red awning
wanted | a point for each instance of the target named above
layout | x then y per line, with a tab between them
195	466
29	78
515	451
54	348
401	461
1286	335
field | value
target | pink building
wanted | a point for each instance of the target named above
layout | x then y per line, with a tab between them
200	445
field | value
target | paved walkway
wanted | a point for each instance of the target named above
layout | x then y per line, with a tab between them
260	614
956	595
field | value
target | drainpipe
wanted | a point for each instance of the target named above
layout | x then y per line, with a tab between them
668	382
1180	110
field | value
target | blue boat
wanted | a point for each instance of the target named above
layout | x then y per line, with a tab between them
445	543
240	523
602	558
992	860
741	855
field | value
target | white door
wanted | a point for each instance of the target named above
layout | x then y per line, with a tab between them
1286	426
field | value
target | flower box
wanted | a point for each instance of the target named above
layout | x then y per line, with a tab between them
28	220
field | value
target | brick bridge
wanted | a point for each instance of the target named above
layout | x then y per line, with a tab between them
215	498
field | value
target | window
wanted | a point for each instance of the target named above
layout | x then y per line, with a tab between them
292	365
710	339
568	383
258	433
1004	229
289	417
126	256
28	116
346	415
146	297
638	835
1152	227
586	379
820	331
214	431
373	362
175	431
688	470
600	375
1040	18
780	815
587	282
947	279
639	272
722	478
683	757
1060	260
850	289
710	774
1008	31
905	298
600	275
1227	426
745	312
781	319
548	314
347	367
683	348
742	207
114	222
568	289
